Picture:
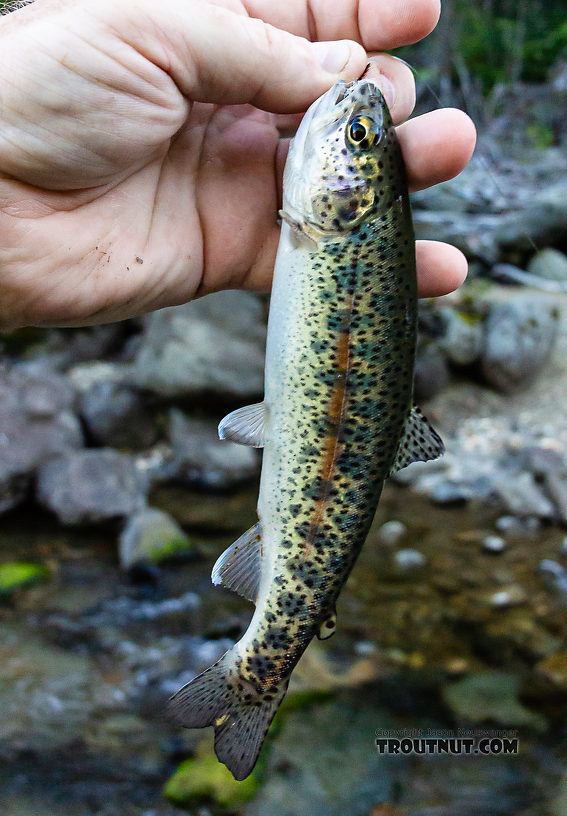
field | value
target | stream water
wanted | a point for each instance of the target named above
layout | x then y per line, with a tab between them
430	612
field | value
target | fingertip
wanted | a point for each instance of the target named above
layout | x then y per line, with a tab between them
343	59
441	268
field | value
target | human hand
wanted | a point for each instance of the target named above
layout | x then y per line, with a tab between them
140	159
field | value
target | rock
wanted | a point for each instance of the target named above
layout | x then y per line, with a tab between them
490	697
15	575
338	736
463	337
554	669
151	535
44	693
86	375
509	596
214	344
520	495
549	264
409	559
391	533
556	574
494	544
205	777
448	492
37	422
116	417
518	527
200	457
519	338
91	486
431	373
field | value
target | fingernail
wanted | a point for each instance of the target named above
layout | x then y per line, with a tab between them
388	89
332	56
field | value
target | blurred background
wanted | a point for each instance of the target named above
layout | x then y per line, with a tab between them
116	498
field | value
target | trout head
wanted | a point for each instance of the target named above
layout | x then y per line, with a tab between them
344	165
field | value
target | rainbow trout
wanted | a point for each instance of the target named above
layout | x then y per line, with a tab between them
337	416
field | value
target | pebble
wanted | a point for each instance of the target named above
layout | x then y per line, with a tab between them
515	526
494	544
364	648
510	596
409	559
391	533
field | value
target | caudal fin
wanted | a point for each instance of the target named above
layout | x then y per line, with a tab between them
240	715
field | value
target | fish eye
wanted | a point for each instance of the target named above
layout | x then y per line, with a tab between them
361	132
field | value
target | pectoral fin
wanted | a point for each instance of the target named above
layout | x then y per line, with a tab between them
246	425
420	442
239	566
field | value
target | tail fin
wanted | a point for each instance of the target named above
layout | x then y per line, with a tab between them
240	715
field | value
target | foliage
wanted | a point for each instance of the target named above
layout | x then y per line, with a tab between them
502	42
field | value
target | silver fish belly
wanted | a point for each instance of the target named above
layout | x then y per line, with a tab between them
337	415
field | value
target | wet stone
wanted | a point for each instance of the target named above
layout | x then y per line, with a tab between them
116	416
519	338
391	533
37	423
494	544
409	559
91	486
211	345
200	457
152	536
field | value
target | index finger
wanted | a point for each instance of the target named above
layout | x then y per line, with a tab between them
376	24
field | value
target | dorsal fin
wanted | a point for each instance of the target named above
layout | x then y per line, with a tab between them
239	566
420	442
246	425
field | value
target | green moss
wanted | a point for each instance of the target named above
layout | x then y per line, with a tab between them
169	547
540	135
204	777
17	574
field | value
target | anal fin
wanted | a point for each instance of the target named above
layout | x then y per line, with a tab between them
420	442
239	566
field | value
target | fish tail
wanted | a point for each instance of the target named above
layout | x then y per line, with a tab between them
239	713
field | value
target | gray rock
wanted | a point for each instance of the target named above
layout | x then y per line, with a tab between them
91	486
338	737
201	457
549	264
116	417
463	338
521	496
431	373
493	544
37	422
392	532
490	697
151	535
450	492
409	559
518	341
212	344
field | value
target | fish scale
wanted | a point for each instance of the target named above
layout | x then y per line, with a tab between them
337	415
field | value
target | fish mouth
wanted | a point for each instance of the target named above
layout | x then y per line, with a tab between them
340	100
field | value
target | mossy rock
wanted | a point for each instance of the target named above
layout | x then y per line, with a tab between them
17	574
152	536
204	777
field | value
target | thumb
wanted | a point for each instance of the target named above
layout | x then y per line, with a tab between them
217	55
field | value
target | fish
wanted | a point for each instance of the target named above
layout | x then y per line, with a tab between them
337	416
